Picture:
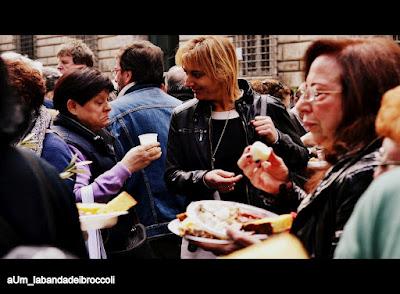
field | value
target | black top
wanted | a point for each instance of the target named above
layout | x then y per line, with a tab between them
37	216
229	151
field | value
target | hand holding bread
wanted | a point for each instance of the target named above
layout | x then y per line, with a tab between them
266	175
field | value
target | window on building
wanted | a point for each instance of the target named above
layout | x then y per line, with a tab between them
257	55
26	45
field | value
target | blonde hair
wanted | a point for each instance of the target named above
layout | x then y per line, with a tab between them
215	55
388	119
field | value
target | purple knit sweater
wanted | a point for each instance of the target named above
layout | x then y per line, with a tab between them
105	185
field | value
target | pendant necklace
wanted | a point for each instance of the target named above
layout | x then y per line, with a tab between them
220	137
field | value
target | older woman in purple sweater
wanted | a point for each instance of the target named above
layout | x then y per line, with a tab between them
81	97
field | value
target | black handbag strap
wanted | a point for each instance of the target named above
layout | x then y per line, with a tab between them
263	111
263	104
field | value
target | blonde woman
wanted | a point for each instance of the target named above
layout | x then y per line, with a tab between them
208	134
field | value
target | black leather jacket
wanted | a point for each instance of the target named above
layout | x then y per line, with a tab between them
323	214
189	144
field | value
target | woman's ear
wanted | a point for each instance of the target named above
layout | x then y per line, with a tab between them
72	106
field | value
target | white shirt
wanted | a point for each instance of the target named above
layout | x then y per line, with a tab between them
124	89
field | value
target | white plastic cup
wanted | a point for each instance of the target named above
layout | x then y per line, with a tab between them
148	138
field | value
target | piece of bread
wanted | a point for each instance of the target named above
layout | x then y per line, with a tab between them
270	225
280	246
260	151
89	208
122	202
308	140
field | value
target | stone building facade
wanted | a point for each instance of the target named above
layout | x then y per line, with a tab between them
260	56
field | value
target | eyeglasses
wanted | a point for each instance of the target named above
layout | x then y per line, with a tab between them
312	95
115	70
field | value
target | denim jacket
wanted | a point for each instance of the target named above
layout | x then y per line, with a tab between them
147	109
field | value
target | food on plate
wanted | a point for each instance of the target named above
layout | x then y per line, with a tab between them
211	218
122	202
181	216
89	208
270	225
260	151
189	227
281	246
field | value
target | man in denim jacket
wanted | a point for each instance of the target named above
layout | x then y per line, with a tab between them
142	107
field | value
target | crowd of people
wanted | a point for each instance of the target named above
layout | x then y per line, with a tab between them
345	114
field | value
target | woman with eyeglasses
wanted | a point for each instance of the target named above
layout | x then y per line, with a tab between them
345	80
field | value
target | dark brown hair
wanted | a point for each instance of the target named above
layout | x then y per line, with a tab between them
145	60
370	67
81	86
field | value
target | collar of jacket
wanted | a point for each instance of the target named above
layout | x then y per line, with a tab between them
340	167
136	87
102	137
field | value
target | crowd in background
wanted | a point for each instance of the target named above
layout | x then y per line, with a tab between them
206	118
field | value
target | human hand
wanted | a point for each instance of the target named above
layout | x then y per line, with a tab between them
221	180
264	175
265	128
141	156
217	249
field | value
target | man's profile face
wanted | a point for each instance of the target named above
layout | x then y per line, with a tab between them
65	63
121	77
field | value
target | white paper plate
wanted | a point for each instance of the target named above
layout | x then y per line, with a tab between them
173	226
99	221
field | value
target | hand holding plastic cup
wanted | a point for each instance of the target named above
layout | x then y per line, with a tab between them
148	138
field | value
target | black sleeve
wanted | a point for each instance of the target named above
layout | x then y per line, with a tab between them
295	155
289	145
287	200
347	196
